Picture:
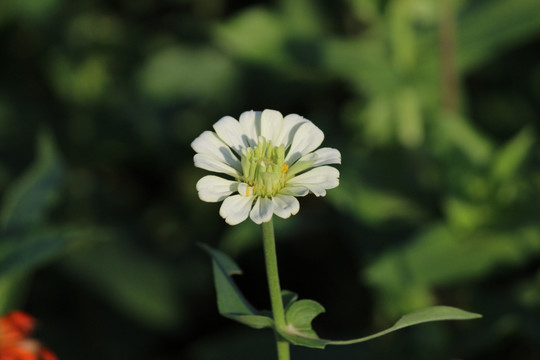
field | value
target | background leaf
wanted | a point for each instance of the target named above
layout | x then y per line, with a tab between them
21	254
28	199
22	247
130	280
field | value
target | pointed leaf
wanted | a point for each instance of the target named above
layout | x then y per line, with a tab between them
28	199
299	332
231	302
512	156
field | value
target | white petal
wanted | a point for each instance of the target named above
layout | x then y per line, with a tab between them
271	124
210	163
209	144
262	211
285	206
296	190
229	130
291	123
317	180
322	156
317	190
235	209
213	188
307	138
327	156
250	121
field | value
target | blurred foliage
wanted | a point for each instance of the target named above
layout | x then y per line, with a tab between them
439	195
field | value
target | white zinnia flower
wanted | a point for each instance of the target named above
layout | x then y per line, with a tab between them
269	160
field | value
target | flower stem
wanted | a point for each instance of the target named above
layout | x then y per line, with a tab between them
274	287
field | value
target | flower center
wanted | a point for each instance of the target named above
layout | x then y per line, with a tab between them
264	169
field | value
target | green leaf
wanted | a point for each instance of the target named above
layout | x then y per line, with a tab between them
454	132
28	199
300	314
299	317
256	34
231	302
365	64
512	156
26	202
440	256
410	124
289	298
468	215
178	73
20	254
374	205
137	284
489	28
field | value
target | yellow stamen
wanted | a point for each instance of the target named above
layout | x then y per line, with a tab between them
284	168
247	191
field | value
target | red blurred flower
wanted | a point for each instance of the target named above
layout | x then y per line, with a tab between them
15	328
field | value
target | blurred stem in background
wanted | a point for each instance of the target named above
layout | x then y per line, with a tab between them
275	289
447	50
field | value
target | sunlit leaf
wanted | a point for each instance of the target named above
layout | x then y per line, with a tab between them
302	18
467	215
440	256
365	64
256	34
410	124
175	72
373	205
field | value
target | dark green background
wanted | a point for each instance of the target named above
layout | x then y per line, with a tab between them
438	204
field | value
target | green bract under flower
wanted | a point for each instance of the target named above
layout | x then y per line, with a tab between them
270	160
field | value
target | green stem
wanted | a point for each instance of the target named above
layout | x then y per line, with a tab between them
275	289
447	49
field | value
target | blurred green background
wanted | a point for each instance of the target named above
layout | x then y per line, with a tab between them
434	105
